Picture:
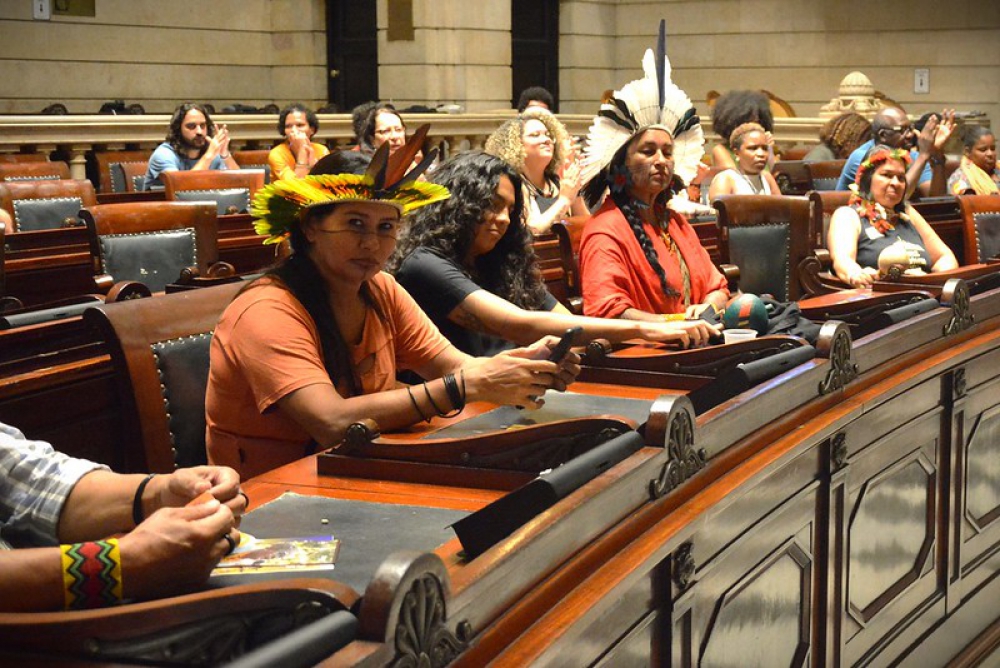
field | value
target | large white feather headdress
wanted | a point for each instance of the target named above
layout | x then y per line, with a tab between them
652	100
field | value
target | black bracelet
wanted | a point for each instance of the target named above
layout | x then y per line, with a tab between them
454	394
137	515
465	395
416	406
431	399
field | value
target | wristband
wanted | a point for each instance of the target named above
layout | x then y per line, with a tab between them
431	399
416	406
454	394
137	515
92	574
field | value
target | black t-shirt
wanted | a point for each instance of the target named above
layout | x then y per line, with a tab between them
439	284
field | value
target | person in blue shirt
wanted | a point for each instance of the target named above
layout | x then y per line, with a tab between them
193	143
891	127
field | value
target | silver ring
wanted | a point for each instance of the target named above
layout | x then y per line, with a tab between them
232	543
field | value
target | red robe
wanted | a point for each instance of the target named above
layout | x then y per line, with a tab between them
617	276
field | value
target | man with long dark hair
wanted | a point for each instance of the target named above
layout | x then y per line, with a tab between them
193	143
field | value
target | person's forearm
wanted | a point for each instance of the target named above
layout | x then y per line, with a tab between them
636	314
939	182
32	580
542	223
914	173
99	506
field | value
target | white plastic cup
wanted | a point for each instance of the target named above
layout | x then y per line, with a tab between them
737	335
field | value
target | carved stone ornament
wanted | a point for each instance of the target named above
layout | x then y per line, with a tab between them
684	566
955	294
211	642
683	460
838	451
834	344
422	638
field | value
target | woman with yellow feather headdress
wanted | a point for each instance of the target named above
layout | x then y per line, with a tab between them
314	345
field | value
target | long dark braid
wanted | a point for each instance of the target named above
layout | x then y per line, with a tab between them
605	182
299	275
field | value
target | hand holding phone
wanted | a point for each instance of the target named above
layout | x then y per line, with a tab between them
565	343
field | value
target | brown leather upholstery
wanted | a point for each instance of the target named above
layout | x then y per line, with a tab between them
33	171
822	205
7	303
569	232
106	160
159	348
216	185
980	227
46	204
256	159
131	174
825	174
795	153
151	242
766	236
792	177
10	158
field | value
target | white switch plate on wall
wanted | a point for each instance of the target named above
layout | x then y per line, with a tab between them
41	10
922	81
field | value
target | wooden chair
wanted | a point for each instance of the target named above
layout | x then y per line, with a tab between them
159	350
232	191
822	205
816	273
792	177
569	232
550	263
132	175
795	153
13	158
45	204
824	175
34	171
211	627
766	236
980	227
112	180
7	303
256	159
153	243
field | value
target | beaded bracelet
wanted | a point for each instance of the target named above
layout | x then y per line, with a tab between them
137	515
92	574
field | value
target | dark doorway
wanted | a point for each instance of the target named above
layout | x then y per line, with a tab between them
351	52
534	46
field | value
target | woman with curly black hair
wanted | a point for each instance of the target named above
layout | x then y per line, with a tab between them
733	109
469	264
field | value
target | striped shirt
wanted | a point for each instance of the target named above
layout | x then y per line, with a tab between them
35	482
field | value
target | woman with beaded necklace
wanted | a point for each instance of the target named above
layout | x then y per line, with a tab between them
639	260
877	217
749	141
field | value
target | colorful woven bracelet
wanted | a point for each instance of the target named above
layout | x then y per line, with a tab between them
92	574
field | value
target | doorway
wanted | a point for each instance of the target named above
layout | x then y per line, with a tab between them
534	46
351	53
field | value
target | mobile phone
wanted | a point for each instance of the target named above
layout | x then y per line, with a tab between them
565	343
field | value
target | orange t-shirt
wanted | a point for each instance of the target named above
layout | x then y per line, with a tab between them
267	346
282	161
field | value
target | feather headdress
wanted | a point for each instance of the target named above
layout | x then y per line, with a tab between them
652	101
388	180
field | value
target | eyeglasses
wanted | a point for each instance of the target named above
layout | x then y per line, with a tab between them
901	129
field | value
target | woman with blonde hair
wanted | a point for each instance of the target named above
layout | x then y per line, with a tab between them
539	149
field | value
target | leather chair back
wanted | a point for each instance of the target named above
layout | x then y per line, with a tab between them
151	242
822	205
34	171
112	180
825	174
792	177
159	349
129	176
980	227
766	236
256	159
45	204
232	191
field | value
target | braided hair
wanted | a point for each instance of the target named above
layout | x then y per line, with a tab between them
630	207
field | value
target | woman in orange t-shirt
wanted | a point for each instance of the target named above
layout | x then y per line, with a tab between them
314	346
